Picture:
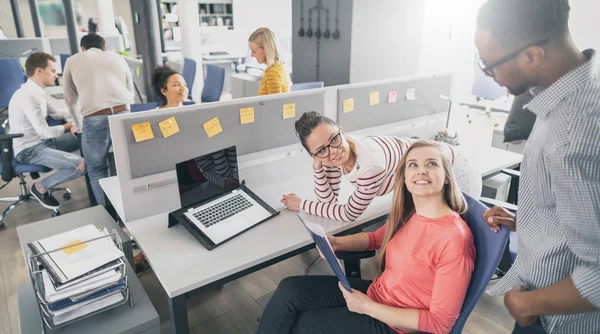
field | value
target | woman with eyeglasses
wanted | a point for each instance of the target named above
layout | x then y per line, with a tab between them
369	163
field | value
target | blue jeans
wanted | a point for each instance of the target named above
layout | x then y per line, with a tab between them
54	153
95	143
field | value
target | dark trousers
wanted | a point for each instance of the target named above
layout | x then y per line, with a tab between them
315	304
535	328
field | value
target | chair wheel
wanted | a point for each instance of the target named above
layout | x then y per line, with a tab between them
55	213
67	196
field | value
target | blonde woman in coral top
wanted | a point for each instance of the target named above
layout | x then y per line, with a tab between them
426	255
275	79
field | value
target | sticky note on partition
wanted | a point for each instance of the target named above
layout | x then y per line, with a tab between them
289	110
142	131
74	249
169	127
374	98
392	96
138	71
348	105
247	115
411	94
213	127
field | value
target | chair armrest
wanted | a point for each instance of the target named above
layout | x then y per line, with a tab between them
10	136
493	202
342	255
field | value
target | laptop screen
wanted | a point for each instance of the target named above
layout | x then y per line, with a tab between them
207	176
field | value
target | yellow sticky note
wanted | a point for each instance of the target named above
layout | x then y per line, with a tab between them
374	98
213	127
142	131
247	115
74	249
138	71
289	110
348	105
169	127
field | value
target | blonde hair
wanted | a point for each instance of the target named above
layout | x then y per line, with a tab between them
403	206
264	38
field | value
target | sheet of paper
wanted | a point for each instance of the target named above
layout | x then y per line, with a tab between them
374	98
411	94
74	249
247	115
289	110
392	96
169	127
348	105
142	131
213	127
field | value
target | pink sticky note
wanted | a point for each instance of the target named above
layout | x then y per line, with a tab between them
392	96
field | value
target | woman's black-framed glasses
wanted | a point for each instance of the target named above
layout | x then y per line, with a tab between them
489	69
335	142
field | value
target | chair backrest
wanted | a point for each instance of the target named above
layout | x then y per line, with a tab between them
489	247
307	85
13	77
63	61
213	84
189	74
143	106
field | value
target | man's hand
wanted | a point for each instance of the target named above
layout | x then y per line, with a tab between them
292	201
518	306
356	301
497	216
74	130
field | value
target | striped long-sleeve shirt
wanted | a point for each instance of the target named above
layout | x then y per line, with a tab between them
558	223
373	175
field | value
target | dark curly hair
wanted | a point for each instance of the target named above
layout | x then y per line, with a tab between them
307	123
514	22
160	77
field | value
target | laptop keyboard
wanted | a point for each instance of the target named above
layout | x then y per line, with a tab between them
221	211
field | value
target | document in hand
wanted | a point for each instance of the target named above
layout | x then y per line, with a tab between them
317	232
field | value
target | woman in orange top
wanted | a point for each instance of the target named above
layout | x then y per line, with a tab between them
426	256
275	79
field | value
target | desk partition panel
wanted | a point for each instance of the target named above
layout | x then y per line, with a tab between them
378	103
269	130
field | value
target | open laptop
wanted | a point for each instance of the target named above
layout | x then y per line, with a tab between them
214	201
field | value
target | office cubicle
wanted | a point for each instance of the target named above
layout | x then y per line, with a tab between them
23	47
138	74
60	45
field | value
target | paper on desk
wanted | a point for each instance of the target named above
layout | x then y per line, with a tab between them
212	127
74	249
348	105
51	295
374	98
142	131
89	308
289	110
169	127
247	115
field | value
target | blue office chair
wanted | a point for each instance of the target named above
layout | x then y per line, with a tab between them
63	61
12	168
143	106
189	74
489	247
307	85
13	77
213	84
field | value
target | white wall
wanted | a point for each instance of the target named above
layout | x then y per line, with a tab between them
386	39
584	23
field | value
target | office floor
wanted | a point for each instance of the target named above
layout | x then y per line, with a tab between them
231	309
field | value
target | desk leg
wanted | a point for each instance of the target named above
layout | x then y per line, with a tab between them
178	315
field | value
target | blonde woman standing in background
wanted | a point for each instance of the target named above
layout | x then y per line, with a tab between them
275	79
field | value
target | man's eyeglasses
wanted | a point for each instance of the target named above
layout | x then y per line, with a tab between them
335	142
489	69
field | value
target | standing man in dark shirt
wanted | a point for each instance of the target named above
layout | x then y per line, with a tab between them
554	284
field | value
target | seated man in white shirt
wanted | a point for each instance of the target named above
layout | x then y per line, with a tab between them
100	83
42	144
